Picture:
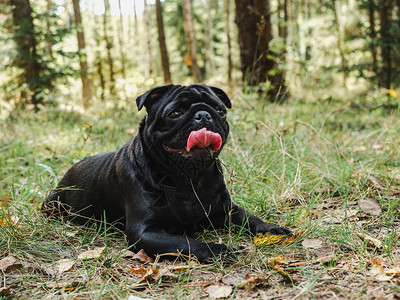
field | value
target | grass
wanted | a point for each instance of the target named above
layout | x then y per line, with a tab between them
306	165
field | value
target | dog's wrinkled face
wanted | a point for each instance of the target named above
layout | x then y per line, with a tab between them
185	123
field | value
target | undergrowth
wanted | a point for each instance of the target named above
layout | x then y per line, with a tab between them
330	170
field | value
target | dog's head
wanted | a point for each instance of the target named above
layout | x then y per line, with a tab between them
185	125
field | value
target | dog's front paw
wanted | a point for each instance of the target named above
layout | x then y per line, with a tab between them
272	229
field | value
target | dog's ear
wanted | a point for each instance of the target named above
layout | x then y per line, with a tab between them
221	95
151	96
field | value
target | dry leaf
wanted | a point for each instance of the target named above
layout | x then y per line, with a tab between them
265	239
312	243
378	272
146	273
142	256
59	267
71	234
282	272
277	261
296	235
251	281
128	253
370	240
370	206
218	291
90	254
6	263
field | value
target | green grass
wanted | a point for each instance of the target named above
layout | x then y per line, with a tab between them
304	165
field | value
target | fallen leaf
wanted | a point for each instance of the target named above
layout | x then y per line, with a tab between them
372	242
128	253
371	180
281	271
251	281
142	256
312	243
277	261
218	291
296	235
146	273
71	234
59	267
6	263
378	272
370	206
90	254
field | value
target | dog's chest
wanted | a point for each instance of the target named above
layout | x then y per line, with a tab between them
186	205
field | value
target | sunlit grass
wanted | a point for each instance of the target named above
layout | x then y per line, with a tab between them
301	165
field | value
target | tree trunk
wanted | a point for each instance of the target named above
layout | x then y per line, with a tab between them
49	43
109	45
191	40
372	28
385	7
339	41
121	41
228	39
148	37
161	41
86	85
26	58
99	61
255	33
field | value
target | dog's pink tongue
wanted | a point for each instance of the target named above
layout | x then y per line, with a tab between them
203	138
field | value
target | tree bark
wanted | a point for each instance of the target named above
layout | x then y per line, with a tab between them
148	37
49	43
109	45
339	41
191	40
121	41
86	85
372	28
26	58
161	41
255	34
228	39
385	7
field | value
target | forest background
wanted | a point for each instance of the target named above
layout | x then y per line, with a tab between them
314	139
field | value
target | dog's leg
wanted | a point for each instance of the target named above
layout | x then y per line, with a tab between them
159	242
240	217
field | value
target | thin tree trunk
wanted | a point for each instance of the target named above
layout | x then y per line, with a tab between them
372	27
228	38
86	85
191	40
339	42
27	58
109	46
49	44
386	41
148	38
161	41
98	61
121	41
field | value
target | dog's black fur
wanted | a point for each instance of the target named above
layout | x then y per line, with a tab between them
155	188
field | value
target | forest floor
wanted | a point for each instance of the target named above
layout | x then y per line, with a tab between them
328	169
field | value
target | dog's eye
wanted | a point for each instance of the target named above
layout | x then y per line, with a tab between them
175	115
221	112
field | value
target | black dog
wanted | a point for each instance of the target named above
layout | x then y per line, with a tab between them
166	182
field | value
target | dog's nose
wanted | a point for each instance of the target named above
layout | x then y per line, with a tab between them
202	117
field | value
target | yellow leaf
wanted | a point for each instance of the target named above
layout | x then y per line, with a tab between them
392	93
265	239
